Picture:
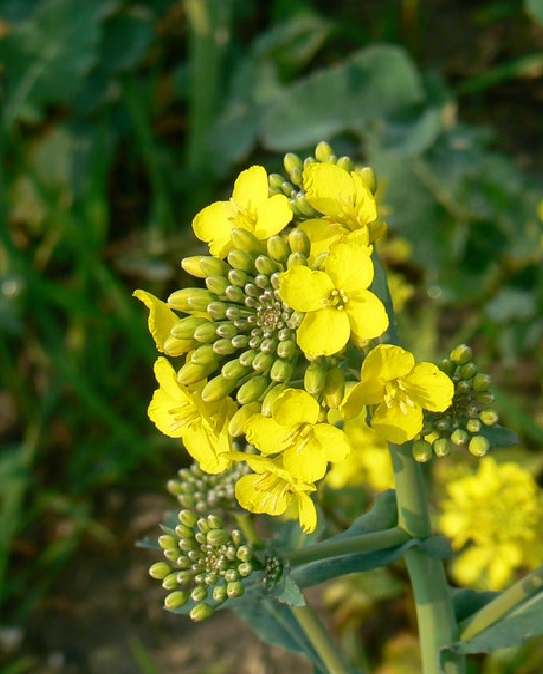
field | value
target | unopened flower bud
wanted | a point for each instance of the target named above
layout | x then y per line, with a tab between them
231	575
270	398
199	593
334	387
485	397
242	260
234	589
277	247
233	369
468	370
478	446
422	451
213	266
217	388
217	284
244	240
191	373
323	151
292	162
447	366
169	582
252	390
187	517
281	370
481	382
368	176
315	378
489	417
286	349
205	333
296	259
223	347
184	329
473	425
265	265
167	541
299	242
441	447
160	570
275	182
459	437
461	354
175	600
201	612
237	423
262	362
193	266
246	358
345	163
245	569
219	594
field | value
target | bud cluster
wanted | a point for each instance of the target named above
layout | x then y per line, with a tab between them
463	423
206	563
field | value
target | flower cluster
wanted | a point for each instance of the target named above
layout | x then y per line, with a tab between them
283	314
494	519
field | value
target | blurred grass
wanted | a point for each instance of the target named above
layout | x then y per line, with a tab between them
121	119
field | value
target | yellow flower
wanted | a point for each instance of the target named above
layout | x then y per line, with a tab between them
250	208
179	412
293	430
390	379
270	489
343	196
161	321
336	302
323	234
368	464
496	513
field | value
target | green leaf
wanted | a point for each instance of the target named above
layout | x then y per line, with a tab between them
290	593
127	37
47	57
466	602
370	85
499	436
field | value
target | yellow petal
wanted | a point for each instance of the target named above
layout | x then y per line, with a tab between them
323	333
306	460
387	362
335	442
263	494
322	234
367	392
327	187
366	208
272	216
161	317
303	289
367	316
431	388
307	513
266	434
294	407
397	425
212	451
162	413
251	188
350	267
213	225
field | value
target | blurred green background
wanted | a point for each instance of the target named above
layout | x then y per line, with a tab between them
121	119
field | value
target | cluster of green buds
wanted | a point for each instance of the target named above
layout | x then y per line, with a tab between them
463	423
206	564
204	493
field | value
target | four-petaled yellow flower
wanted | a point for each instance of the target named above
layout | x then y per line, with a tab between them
401	390
336	301
179	412
250	208
293	430
271	488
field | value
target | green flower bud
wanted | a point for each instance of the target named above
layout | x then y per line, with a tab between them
224	347
334	388
275	182
191	373
217	537
187	517
461	354
204	355
473	425
315	378
234	589
270	398
237	423
233	369
481	382
160	570
205	333
422	451
478	446
191	299
213	266
167	541
246	358
299	242
447	366
215	521
169	582
463	387
245	569
459	437
468	370
244	240
489	417
184	578
231	575
281	370
226	330
323	151
262	362
240	341
288	189
184	329
203	525
175	600
239	278
199	593
345	163
368	176
441	447
443	425
183	562
485	397
219	594
292	162
303	207
286	350
295	259
217	310
217	388
201	612
235	294
262	281
244	553
265	265
242	260
184	531
277	248
171	554
217	284
193	266
252	389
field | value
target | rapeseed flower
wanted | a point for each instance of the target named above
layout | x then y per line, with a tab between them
179	412
293	430
493	518
270	490
250	208
337	303
399	389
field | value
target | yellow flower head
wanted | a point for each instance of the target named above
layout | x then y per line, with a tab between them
343	197
293	430
179	412
336	302
250	208
400	389
497	512
270	489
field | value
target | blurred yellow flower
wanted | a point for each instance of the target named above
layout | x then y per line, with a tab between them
494	518
250	208
400	389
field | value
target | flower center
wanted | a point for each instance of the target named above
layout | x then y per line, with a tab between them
396	396
337	299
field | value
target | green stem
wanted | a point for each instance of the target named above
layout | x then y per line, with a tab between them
435	613
326	649
381	540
